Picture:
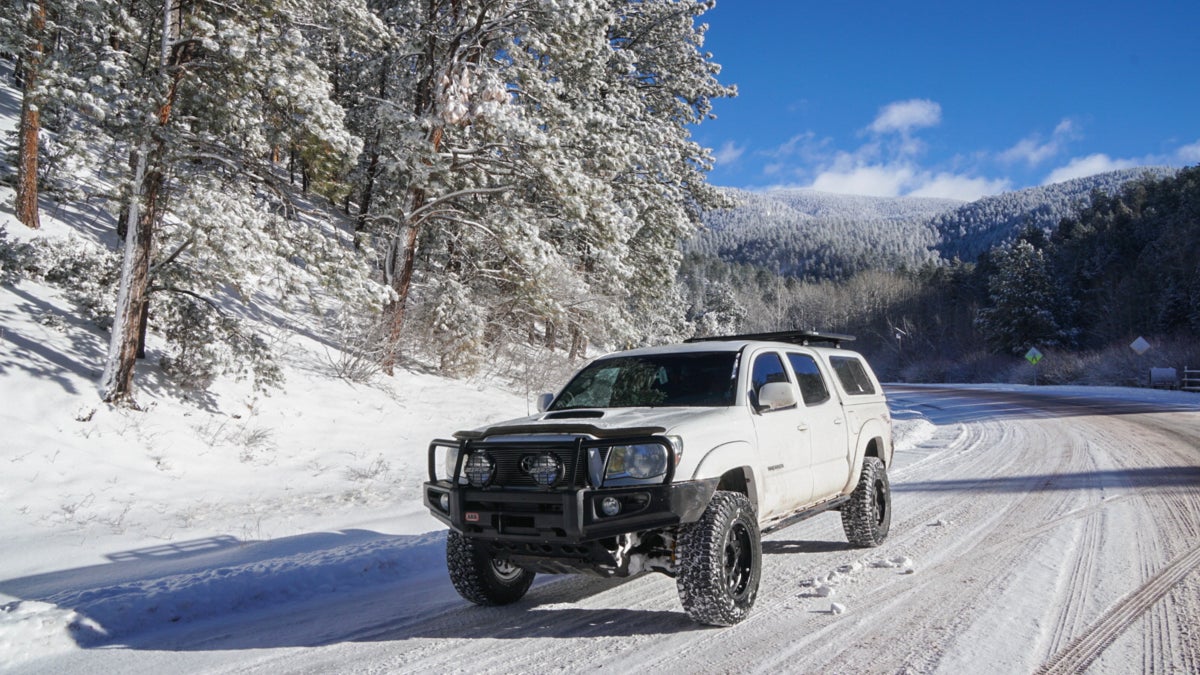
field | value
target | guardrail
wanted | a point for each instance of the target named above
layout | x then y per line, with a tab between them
1191	379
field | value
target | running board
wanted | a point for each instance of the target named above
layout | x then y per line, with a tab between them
806	513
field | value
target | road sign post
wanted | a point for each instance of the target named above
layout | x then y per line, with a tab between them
1033	356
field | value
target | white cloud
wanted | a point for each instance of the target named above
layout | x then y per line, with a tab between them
1089	166
1065	128
1032	151
904	179
881	166
728	153
874	180
904	116
951	186
1189	154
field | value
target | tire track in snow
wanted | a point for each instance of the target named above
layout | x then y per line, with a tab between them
1078	584
944	598
1086	647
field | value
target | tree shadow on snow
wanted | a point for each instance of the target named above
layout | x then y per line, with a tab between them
307	590
38	356
1157	480
945	405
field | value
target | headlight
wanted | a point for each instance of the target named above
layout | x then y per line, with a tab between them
451	460
636	461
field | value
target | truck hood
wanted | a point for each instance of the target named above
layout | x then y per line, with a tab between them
607	422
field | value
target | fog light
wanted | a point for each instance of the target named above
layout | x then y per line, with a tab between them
611	506
479	469
445	502
545	469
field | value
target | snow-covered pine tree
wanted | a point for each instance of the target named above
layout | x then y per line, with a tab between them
190	103
23	32
532	170
1027	305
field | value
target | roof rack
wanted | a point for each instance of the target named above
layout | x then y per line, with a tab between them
796	337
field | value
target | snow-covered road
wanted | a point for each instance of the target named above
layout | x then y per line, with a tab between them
1034	530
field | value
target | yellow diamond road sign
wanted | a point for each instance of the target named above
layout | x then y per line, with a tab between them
1033	355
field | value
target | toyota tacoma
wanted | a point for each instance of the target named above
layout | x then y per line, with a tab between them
672	459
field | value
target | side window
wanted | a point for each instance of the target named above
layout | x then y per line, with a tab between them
852	375
768	367
812	385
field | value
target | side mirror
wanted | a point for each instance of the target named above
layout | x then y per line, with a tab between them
544	401
776	395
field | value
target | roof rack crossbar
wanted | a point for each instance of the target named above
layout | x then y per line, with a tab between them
796	337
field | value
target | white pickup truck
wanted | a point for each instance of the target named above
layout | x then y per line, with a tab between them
670	459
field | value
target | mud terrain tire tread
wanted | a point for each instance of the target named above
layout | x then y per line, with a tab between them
479	578
867	517
720	561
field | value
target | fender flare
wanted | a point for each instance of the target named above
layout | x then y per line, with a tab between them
876	431
729	457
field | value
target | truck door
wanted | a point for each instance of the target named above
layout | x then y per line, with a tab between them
826	423
781	440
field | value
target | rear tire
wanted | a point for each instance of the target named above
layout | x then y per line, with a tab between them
481	578
720	560
867	517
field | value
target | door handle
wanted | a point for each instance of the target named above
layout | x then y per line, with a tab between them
801	427
837	420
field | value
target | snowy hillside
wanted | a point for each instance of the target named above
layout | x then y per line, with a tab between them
818	235
819	204
85	485
976	227
234	498
806	233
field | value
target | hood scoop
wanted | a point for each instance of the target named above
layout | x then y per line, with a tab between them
574	415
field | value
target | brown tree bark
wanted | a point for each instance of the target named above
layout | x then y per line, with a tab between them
134	296
30	125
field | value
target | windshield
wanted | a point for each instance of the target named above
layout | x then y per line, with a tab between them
703	379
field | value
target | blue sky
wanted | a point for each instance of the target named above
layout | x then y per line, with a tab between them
950	99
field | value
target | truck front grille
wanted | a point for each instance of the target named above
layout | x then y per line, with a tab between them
511	466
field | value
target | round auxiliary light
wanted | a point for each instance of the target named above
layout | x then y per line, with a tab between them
544	469
445	502
610	506
479	469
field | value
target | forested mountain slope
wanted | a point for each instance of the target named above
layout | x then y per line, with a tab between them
817	235
974	228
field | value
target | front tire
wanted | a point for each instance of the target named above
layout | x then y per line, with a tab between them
481	578
720	560
867	517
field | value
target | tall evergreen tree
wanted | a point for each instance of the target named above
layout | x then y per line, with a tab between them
209	96
1027	305
531	165
23	31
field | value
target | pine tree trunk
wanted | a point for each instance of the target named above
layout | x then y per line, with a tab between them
117	383
578	343
133	295
402	282
30	126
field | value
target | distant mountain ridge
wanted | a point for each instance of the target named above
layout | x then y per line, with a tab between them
819	235
974	228
819	204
